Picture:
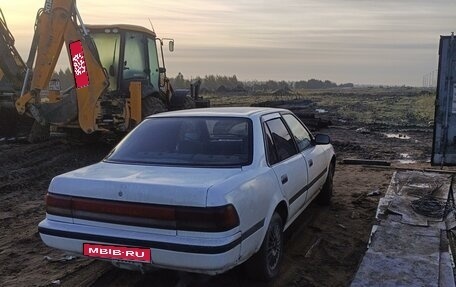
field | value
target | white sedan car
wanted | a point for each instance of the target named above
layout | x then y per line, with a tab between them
199	190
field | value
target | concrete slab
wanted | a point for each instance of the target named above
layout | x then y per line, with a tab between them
446	276
407	248
409	231
378	269
402	205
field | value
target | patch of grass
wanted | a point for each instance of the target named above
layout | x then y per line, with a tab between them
425	107
392	106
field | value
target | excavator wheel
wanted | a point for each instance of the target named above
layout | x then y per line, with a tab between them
152	105
39	133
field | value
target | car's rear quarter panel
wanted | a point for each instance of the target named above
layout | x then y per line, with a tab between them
254	194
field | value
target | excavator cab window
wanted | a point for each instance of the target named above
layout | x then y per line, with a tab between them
108	46
134	65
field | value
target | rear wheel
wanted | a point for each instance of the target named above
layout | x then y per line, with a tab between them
324	198
265	264
151	105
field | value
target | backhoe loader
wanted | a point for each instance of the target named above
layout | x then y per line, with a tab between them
119	71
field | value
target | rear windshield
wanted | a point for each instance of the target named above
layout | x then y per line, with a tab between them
189	141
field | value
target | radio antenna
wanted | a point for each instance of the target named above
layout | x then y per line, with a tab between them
151	25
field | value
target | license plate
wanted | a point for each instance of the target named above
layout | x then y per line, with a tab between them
126	253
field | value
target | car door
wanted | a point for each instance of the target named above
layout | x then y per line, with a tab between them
314	154
289	165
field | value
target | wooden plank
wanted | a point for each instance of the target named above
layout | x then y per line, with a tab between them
392	167
365	162
410	168
440	171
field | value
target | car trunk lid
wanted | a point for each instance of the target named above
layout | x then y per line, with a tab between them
139	183
151	197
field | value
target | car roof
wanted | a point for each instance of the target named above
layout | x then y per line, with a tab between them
222	112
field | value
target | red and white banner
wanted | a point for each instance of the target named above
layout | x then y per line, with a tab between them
81	77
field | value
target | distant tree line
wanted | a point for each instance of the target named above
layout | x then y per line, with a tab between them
214	83
318	84
218	83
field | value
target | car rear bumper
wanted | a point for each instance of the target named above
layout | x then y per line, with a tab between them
202	255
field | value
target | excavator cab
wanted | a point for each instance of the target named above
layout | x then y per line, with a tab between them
134	62
128	53
131	55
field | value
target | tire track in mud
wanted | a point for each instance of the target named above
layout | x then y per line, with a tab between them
26	170
22	163
29	173
12	154
29	169
32	166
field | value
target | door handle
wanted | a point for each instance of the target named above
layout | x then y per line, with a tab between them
311	162
284	178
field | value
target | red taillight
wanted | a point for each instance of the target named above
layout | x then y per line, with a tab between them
123	208
58	204
213	219
210	219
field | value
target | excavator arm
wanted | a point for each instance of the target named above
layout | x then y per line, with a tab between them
59	23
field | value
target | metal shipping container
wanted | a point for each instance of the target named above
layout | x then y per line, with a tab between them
444	140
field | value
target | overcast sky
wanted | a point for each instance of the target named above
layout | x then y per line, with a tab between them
362	41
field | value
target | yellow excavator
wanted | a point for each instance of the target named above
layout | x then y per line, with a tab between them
124	76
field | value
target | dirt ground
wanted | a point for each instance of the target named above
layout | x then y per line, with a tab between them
338	233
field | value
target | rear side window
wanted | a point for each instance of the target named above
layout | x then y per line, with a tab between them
300	134
270	148
283	142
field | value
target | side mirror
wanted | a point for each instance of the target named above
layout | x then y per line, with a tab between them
171	46
321	139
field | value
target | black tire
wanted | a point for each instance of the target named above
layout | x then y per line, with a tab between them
151	105
265	264
188	103
324	198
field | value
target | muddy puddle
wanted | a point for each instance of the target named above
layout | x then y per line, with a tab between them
397	136
405	158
